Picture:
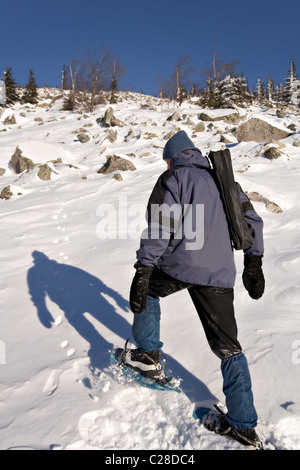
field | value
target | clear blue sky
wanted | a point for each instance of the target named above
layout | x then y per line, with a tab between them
149	36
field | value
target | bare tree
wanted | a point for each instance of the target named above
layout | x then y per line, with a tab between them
117	71
100	71
70	101
181	78
218	69
87	79
95	75
113	85
163	87
73	73
175	87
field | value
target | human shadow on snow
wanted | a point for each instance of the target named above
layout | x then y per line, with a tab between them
76	292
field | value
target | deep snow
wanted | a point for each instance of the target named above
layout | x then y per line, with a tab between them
66	270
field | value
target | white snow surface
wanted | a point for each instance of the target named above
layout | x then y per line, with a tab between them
65	278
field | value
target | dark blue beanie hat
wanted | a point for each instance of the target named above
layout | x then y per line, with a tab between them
180	141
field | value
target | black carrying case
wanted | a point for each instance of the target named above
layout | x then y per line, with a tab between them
223	175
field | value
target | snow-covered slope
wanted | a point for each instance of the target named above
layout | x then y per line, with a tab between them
67	253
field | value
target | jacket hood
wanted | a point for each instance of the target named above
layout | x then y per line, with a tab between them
191	158
180	141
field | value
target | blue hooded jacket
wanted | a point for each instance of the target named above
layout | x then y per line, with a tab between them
187	234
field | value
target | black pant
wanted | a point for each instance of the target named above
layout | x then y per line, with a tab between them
214	306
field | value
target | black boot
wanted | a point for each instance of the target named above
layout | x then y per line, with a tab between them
146	363
216	421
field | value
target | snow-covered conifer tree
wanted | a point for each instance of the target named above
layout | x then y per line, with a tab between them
292	76
259	92
2	93
10	86
270	88
30	93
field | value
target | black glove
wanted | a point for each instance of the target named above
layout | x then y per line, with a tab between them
253	277
139	288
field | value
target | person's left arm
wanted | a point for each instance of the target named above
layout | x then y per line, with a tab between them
253	277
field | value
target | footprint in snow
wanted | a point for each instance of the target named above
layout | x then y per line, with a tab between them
52	382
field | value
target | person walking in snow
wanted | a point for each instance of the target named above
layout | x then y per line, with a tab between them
170	259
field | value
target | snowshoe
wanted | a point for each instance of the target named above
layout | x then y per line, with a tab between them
146	364
145	368
216	421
